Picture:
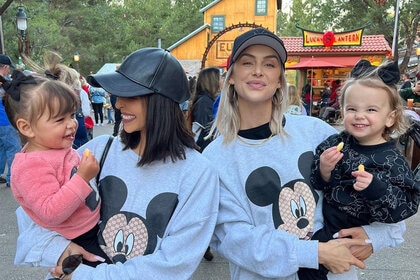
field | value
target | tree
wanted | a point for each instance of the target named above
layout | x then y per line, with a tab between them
101	31
409	24
106	31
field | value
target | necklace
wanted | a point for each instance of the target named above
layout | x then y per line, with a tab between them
254	143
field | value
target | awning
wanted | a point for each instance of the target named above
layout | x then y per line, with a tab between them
325	62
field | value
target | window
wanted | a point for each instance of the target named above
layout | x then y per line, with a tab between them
217	23
261	7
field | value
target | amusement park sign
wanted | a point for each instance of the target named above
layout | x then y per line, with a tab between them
330	39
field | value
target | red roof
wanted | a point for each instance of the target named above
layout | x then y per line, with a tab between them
371	44
325	62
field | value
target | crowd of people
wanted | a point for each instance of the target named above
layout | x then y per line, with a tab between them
225	160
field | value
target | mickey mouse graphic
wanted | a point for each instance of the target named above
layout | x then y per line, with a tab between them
124	235
293	203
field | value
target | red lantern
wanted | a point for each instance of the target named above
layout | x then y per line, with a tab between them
328	39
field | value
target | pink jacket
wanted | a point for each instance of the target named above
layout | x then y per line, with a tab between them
47	188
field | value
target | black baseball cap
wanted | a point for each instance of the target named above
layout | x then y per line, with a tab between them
5	60
143	72
258	36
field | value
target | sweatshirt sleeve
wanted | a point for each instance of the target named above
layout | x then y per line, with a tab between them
385	235
37	246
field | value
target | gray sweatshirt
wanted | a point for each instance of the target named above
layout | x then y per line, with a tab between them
156	220
268	209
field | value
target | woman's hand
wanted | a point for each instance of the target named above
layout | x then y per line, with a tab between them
72	249
362	252
336	256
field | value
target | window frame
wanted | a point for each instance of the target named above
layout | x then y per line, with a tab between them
261	2
217	19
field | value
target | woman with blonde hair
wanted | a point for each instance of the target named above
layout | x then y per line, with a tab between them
295	102
268	208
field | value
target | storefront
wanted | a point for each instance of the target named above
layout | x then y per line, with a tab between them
326	57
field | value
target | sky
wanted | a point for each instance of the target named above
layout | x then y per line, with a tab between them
286	4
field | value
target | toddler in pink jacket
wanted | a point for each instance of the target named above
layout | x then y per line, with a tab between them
48	178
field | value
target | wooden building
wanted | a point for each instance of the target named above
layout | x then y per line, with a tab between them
223	21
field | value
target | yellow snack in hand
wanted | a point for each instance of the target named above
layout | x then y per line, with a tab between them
340	146
361	167
86	152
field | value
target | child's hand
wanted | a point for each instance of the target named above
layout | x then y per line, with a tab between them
89	166
328	160
363	178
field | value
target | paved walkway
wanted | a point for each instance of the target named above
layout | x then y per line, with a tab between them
401	263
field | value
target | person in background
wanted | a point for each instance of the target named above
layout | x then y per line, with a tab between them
97	96
332	106
157	190
117	112
82	113
268	209
84	83
326	92
413	93
405	77
367	179
336	84
85	99
331	112
186	105
295	102
117	115
49	180
306	96
217	100
10	142
206	90
108	108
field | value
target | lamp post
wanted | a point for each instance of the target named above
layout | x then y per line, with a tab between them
395	37
76	59
21	24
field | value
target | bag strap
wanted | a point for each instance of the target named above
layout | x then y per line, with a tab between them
103	157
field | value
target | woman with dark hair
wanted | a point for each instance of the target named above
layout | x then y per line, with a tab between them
159	196
206	91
